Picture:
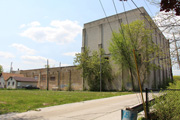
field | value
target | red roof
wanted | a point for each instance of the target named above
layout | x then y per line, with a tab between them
24	79
7	75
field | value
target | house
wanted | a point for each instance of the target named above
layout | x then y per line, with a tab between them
97	34
5	76
19	82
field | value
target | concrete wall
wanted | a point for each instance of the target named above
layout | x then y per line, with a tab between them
62	78
21	84
99	32
2	82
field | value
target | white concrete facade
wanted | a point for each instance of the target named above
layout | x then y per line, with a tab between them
2	82
98	33
11	83
14	84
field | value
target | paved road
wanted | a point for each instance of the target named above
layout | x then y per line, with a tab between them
101	109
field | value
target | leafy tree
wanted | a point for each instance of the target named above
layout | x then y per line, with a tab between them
167	5
90	64
168	23
1	69
134	36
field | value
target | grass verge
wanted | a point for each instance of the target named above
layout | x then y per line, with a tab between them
24	100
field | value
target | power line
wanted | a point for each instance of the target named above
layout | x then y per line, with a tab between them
119	20
125	13
117	14
131	9
148	7
141	12
106	15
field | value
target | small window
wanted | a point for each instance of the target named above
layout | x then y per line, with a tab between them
52	78
43	77
35	77
13	83
0	83
107	58
8	83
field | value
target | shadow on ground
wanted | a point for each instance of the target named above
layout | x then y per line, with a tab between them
12	116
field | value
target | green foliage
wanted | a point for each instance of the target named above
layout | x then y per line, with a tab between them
1	69
91	68
167	106
24	100
175	84
134	36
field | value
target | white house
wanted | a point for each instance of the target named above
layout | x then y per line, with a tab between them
19	82
5	76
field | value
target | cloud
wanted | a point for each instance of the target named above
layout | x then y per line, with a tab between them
60	32
38	61
22	48
6	55
22	26
32	24
70	54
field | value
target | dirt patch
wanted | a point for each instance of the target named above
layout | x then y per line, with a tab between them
45	104
1	102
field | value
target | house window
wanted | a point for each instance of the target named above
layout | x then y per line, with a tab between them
13	83
8	83
35	77
52	78
0	83
43	77
107	58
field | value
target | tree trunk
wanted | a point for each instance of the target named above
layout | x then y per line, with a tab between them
177	53
132	79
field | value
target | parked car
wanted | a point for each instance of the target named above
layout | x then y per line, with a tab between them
30	87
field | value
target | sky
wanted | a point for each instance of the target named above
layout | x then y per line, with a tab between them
32	31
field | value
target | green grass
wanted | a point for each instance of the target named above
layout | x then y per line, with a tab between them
24	100
176	83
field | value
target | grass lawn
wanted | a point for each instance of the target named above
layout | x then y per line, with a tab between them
24	100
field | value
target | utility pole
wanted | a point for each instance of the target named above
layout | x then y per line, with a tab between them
100	74
47	75
100	46
11	67
59	73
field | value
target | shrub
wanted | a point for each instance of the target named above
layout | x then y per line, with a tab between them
167	106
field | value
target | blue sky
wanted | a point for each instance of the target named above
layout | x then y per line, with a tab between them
32	31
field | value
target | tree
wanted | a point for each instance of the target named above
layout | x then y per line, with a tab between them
134	36
169	24
1	69
91	68
167	5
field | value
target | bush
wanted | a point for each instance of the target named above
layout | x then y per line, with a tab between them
167	106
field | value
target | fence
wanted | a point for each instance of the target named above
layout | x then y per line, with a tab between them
163	104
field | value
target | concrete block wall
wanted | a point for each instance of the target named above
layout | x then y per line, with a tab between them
61	78
99	32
